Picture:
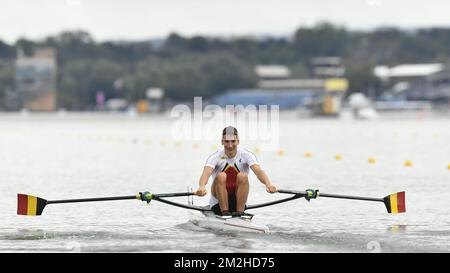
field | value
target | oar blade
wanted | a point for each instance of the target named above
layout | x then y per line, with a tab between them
30	205
395	203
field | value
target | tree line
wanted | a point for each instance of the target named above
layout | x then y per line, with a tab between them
206	66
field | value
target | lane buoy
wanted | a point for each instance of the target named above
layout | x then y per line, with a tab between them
408	163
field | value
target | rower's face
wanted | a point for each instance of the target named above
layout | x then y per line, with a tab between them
230	143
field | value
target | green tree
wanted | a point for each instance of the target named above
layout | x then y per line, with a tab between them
80	80
6	78
324	39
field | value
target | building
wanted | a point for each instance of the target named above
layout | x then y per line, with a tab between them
328	67
35	80
429	81
285	99
330	70
272	71
275	87
322	94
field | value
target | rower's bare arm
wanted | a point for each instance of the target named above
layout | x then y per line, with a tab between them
207	171
263	178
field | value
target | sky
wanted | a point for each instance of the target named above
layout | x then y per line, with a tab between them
149	19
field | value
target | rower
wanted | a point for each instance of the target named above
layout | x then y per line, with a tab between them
229	168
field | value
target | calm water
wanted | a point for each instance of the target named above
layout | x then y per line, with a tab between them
81	155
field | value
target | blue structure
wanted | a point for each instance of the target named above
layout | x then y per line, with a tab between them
286	99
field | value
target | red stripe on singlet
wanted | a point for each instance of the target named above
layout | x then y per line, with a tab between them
232	173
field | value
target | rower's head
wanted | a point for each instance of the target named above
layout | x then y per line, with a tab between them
230	138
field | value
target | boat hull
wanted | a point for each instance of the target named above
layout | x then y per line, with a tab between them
210	220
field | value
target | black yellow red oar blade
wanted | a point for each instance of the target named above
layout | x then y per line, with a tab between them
30	205
396	202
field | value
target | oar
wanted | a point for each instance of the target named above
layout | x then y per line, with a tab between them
33	206
395	202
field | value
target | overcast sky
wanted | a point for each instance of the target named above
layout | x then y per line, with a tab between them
145	19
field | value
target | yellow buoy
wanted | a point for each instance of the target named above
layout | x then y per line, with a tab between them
308	155
257	151
281	152
372	160
448	167
408	163
338	157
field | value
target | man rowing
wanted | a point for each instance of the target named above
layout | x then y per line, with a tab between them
229	168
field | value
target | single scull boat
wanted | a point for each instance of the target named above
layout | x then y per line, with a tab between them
32	206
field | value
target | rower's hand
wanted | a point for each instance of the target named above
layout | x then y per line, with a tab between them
271	188
201	191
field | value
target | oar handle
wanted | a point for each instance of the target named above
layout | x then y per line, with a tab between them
292	192
176	194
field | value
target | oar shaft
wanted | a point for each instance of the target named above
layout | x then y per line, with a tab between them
192	207
350	197
161	195
92	199
335	196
